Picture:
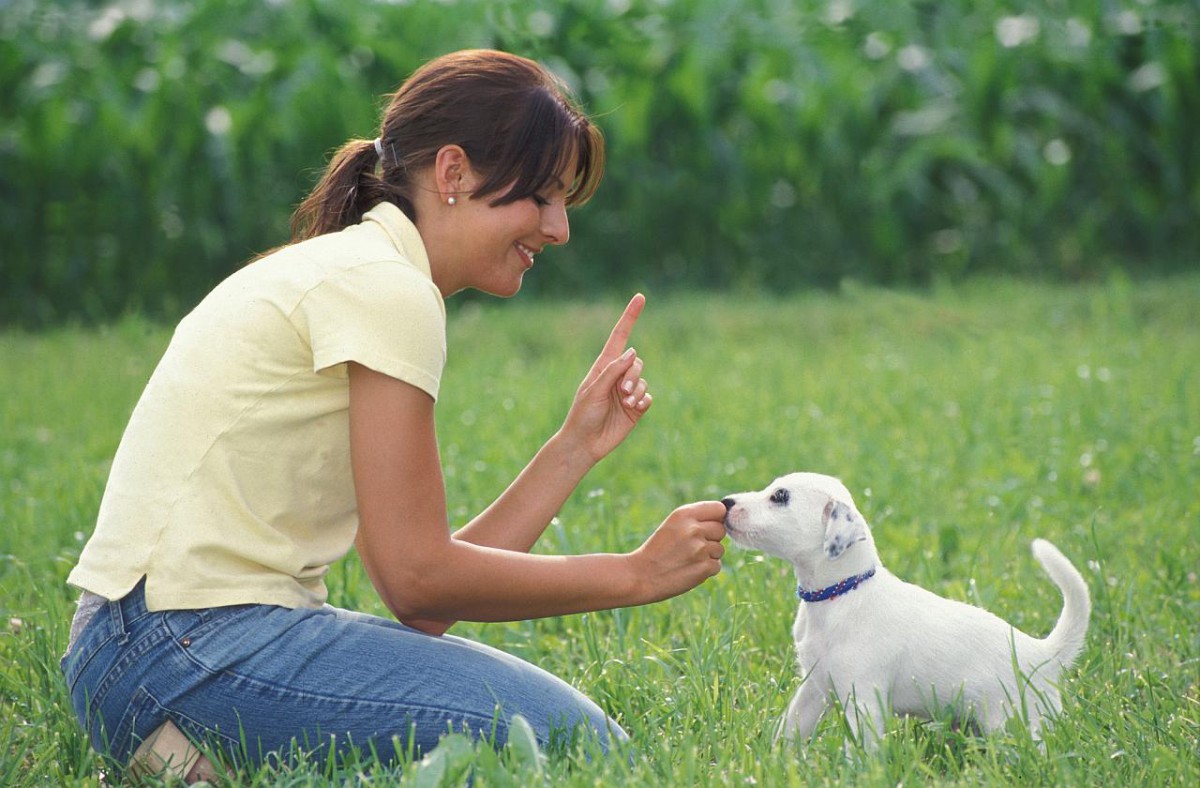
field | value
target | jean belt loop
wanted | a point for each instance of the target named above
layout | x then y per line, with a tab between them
118	621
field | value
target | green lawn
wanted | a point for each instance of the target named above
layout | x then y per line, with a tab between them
967	421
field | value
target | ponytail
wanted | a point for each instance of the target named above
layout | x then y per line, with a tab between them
349	188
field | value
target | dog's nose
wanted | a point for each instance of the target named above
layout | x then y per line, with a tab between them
728	503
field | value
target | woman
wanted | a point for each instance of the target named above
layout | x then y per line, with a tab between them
293	415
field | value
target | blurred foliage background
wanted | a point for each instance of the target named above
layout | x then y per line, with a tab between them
150	147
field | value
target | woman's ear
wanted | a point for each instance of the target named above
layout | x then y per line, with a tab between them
452	172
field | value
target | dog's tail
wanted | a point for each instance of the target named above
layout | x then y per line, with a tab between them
1066	639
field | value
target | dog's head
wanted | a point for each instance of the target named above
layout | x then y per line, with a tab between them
798	517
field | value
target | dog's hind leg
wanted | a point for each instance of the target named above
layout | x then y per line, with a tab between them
803	713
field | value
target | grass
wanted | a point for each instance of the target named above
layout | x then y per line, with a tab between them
966	420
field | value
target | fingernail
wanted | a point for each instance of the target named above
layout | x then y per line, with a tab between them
628	353
627	387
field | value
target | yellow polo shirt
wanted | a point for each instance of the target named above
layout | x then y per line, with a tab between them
232	482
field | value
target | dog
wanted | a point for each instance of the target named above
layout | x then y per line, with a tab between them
881	645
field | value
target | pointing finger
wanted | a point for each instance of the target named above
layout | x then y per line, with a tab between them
624	327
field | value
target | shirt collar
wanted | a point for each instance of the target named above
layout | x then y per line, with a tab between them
402	232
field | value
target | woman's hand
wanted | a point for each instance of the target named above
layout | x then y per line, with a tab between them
613	396
683	552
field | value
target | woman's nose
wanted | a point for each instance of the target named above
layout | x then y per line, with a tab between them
555	225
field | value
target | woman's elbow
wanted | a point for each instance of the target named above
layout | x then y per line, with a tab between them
412	594
416	605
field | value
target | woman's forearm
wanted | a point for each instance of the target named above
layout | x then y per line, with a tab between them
476	583
520	515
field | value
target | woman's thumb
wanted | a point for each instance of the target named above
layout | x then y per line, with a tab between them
616	368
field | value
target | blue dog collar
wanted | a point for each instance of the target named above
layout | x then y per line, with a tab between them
835	590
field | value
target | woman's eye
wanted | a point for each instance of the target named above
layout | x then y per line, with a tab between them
540	200
780	496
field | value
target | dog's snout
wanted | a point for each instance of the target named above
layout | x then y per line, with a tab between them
728	503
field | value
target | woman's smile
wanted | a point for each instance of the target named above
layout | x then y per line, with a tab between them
526	253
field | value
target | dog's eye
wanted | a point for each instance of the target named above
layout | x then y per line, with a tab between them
780	496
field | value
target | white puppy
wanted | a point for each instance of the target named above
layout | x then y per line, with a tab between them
879	643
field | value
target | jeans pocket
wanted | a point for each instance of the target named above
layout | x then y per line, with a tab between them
213	636
141	717
180	623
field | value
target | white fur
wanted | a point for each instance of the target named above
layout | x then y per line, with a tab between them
892	646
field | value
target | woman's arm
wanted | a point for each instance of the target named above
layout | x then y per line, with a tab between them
426	577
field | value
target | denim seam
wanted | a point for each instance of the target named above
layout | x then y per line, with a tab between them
83	653
299	694
201	731
340	699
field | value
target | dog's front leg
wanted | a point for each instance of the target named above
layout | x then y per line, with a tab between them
864	720
803	713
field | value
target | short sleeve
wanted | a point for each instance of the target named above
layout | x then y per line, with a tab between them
387	316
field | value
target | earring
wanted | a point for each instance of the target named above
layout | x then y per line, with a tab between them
451	201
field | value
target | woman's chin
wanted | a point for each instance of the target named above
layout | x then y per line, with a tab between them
507	290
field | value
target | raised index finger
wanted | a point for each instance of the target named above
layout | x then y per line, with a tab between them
624	327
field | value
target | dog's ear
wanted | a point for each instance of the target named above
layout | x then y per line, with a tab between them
843	527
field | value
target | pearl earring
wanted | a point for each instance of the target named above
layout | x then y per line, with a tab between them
451	201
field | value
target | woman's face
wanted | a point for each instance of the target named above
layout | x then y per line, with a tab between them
501	243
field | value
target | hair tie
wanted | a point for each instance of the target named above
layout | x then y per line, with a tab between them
379	148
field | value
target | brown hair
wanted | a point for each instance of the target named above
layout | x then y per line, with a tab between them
515	119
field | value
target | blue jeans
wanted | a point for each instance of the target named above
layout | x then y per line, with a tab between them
254	679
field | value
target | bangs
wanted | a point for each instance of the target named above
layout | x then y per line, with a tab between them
537	153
